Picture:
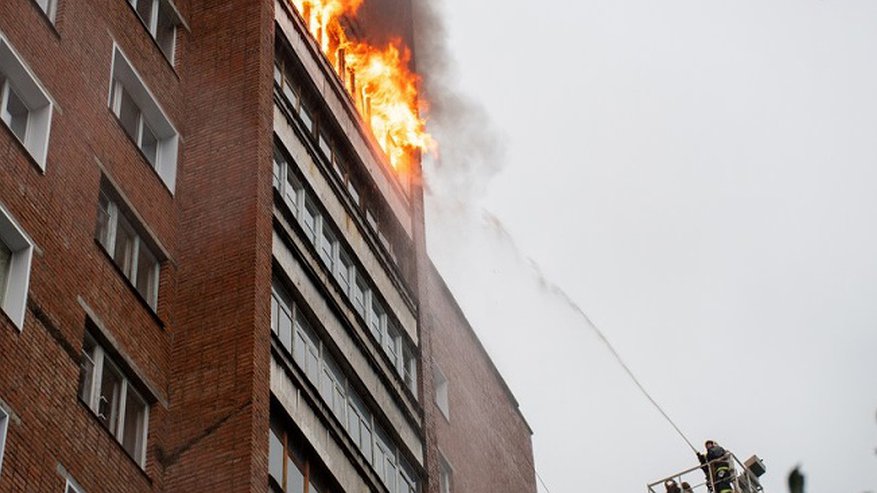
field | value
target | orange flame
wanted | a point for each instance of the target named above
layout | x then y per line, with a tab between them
382	86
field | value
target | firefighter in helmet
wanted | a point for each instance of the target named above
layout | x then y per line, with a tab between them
717	467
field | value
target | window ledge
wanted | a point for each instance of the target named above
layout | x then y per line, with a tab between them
94	417
140	154
5	316
149	309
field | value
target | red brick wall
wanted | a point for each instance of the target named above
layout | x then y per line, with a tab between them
486	441
218	433
216	230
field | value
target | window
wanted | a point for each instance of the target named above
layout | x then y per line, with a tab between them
441	391
49	7
161	19
344	270
339	262
445	475
291	468
16	254
325	146
4	425
110	395
143	119
116	233
328	245
25	107
377	318
409	370
320	368
72	487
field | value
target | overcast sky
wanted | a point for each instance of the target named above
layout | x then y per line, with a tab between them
701	177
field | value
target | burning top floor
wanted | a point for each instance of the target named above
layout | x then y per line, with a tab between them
378	78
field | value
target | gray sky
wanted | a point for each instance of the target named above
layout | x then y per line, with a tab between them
700	177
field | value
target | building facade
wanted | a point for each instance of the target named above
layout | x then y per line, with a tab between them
210	277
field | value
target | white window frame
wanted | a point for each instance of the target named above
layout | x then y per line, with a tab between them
93	400
17	76
114	214
151	24
50	8
446	475
124	75
442	398
72	487
4	427
14	297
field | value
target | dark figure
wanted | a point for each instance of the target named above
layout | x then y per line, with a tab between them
686	488
796	481
716	468
671	486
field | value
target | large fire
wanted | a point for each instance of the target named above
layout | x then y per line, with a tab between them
378	79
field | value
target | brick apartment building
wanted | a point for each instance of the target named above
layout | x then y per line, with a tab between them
211	279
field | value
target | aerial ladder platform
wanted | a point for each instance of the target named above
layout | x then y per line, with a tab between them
741	477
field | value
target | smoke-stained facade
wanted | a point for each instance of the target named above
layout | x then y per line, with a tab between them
213	278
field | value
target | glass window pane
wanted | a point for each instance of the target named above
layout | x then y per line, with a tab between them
86	376
353	423
110	396
103	221
298	352
166	31
339	404
390	345
354	193
343	272
135	422
147	275
309	220
327	386
376	319
306	117
290	95
15	114
366	443
313	488
124	251
275	456
313	364
277	172
278	78
295	479
275	318
293	191
327	245
149	144
358	296
285	330
324	145
390	480
144	10
128	112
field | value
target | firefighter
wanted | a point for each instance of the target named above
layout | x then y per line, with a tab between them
671	486
716	467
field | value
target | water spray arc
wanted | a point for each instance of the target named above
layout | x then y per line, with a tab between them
557	292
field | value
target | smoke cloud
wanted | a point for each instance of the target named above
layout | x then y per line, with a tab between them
470	149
